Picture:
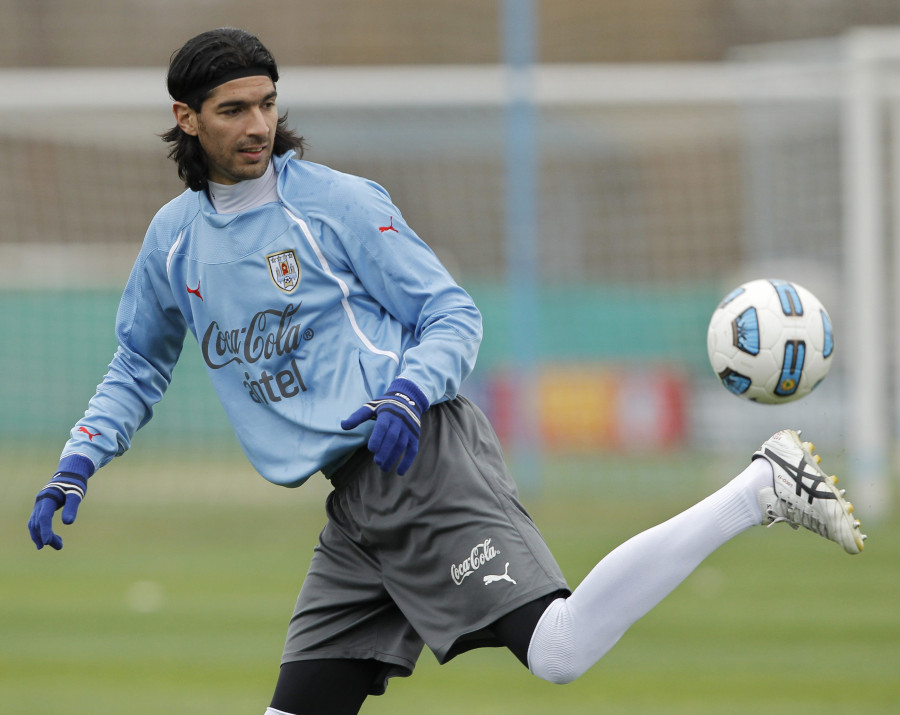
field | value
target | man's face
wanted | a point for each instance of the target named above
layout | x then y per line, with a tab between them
236	128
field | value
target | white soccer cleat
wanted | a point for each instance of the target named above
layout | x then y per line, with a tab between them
803	495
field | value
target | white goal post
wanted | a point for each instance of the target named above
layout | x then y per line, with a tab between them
871	120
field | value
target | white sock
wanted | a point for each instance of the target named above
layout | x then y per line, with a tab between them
575	632
273	711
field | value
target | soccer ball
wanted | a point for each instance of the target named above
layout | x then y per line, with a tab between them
770	341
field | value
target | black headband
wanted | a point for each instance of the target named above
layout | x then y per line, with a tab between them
238	73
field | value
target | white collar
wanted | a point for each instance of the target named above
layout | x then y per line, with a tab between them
244	195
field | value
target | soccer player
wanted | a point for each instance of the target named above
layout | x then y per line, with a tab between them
337	342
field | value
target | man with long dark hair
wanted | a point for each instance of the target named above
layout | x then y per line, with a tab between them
204	63
337	342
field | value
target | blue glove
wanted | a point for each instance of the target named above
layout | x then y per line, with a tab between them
65	491
397	416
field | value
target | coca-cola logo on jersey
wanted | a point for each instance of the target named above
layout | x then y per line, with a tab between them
478	557
269	334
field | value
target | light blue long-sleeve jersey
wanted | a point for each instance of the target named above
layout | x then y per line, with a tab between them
303	310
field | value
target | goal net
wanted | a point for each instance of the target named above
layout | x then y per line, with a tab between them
660	187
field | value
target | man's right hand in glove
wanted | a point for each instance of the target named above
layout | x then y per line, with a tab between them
64	491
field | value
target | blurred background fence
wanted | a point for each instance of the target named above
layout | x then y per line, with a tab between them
681	148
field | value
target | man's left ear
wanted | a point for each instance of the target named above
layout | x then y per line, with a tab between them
186	118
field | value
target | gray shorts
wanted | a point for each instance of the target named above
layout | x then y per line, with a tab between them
433	557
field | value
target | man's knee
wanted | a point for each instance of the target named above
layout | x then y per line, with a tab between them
551	653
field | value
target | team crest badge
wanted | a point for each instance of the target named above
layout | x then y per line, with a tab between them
284	269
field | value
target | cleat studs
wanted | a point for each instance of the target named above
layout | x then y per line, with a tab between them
849	508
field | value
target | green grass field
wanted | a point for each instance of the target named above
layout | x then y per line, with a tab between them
164	602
